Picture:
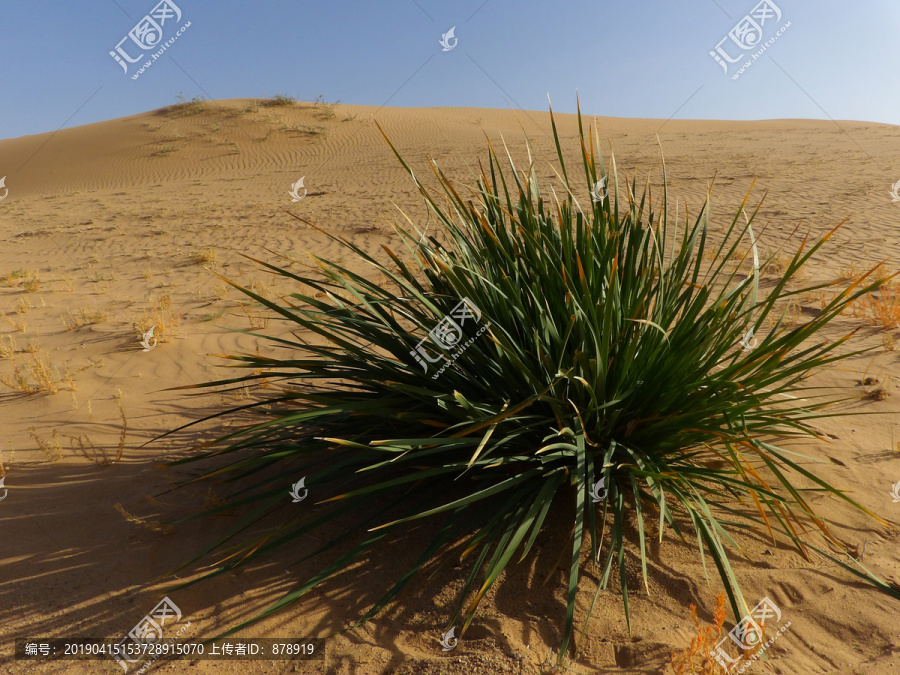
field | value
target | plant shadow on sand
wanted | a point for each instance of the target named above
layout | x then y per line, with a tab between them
103	573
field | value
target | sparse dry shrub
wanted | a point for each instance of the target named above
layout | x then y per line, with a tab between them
7	347
50	446
206	256
257	315
38	377
220	290
20	277
162	316
882	308
84	316
850	272
184	107
696	658
279	100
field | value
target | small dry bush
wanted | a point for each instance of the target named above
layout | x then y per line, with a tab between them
160	315
38	377
306	129
262	288
50	446
206	256
881	308
17	324
18	277
850	272
84	316
220	290
184	107
696	659
279	100
7	347
324	109
256	314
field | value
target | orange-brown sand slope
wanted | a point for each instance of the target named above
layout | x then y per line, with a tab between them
113	227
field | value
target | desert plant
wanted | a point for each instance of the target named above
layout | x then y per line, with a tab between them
162	317
882	309
21	277
183	106
84	316
594	346
257	317
49	446
206	256
220	290
45	378
306	129
7	347
279	100
696	658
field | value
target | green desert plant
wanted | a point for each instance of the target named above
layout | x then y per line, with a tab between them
184	106
280	100
593	345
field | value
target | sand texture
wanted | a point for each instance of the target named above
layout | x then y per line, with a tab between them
112	226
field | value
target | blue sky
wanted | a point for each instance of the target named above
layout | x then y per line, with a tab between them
625	59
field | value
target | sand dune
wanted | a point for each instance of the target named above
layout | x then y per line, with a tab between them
112	226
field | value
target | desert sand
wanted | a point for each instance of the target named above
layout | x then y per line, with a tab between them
110	227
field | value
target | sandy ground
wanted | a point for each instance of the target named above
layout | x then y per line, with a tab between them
106	224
